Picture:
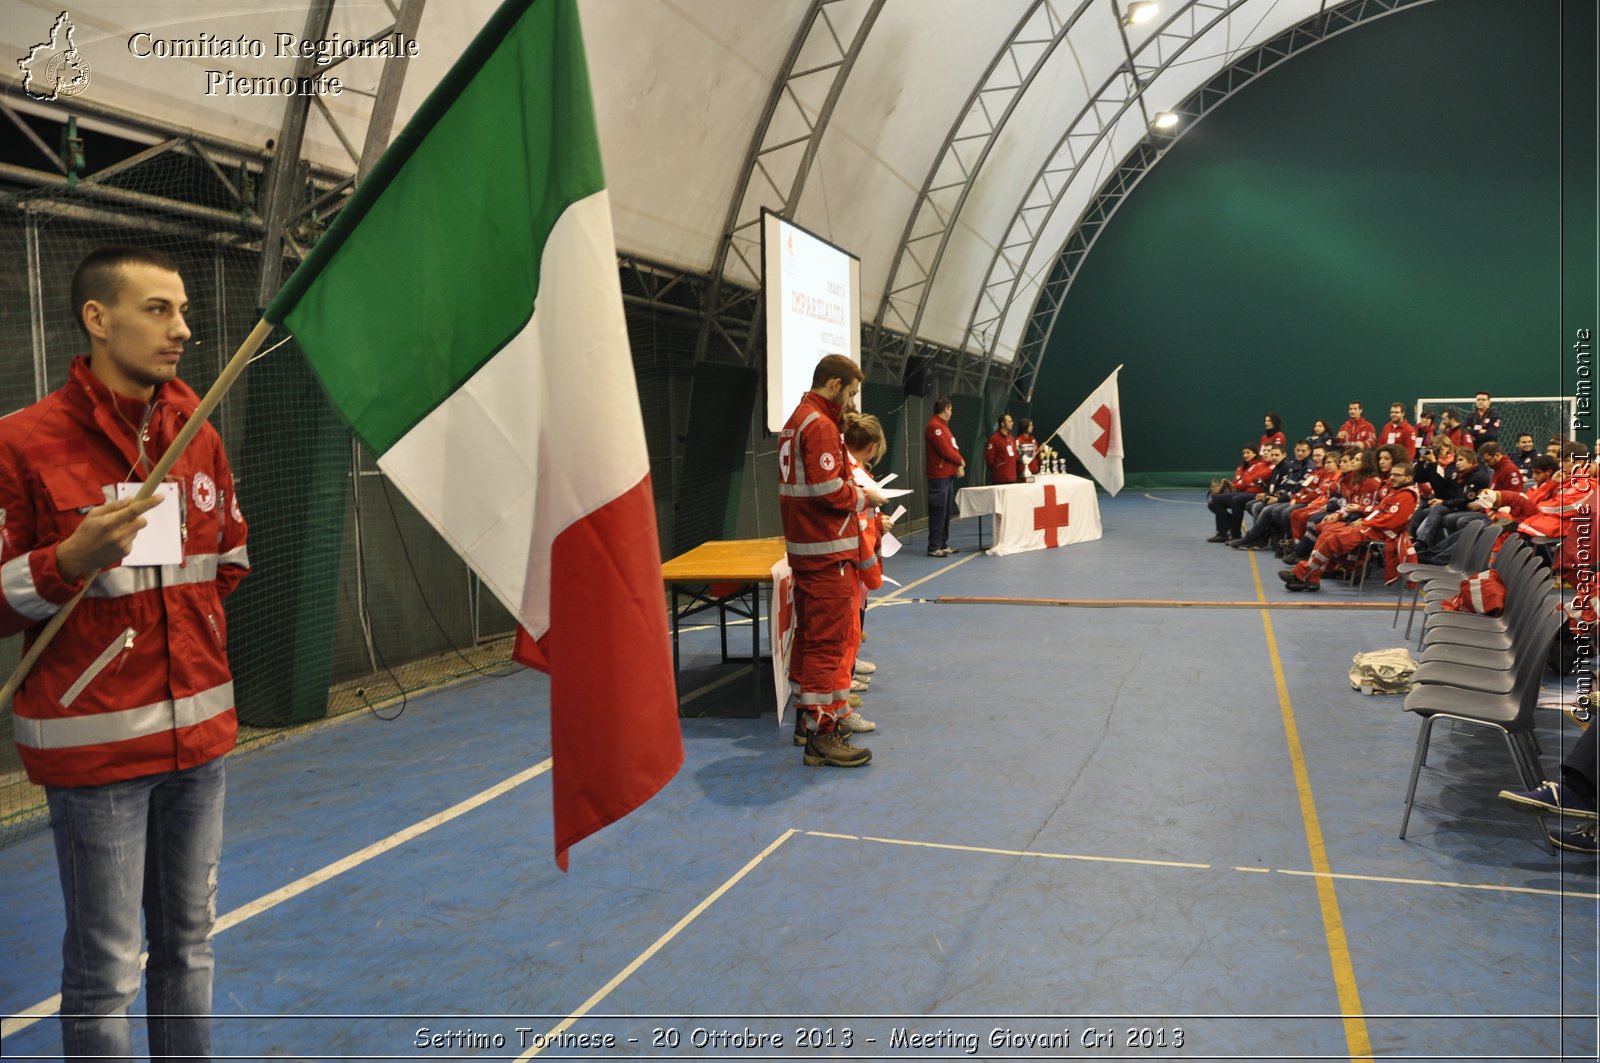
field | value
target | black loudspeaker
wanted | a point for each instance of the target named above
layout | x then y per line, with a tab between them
919	375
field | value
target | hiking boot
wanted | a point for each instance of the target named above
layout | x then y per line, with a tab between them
1552	797
800	732
1303	585
1287	575
833	747
1220	537
855	723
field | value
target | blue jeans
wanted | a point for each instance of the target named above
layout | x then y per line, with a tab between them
153	843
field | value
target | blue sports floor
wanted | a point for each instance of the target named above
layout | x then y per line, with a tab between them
1141	831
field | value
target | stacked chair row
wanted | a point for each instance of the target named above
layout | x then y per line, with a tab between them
1484	670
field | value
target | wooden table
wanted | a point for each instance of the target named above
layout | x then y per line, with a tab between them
746	563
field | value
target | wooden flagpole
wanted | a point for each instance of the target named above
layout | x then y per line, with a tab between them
225	379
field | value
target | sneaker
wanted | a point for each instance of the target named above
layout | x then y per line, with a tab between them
935	553
865	667
1579	840
1236	542
951	550
1303	585
1552	797
833	747
854	700
855	723
858	685
1220	537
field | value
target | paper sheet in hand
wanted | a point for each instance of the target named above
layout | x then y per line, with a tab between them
889	544
160	541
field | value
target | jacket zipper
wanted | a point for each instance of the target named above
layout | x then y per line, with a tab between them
120	645
216	632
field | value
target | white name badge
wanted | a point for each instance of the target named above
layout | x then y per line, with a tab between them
160	541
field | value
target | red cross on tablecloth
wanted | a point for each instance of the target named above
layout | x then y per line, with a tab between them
1050	516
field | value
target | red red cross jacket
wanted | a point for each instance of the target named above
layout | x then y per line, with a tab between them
1391	518
816	497
942	456
1001	454
1357	431
1400	435
137	681
1505	475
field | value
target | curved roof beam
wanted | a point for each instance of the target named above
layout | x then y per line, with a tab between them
781	156
1217	90
972	135
1078	144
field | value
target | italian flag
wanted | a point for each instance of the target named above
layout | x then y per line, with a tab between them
464	314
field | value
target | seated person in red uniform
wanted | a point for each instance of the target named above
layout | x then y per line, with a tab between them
1338	537
1273	423
1357	431
1228	501
1001	453
1397	431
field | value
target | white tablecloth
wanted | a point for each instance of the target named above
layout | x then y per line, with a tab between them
1052	511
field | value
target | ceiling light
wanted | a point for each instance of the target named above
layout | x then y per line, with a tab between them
1163	120
1140	11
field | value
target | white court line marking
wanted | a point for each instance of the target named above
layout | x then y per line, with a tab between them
714	684
1174	501
46	1008
1490	887
911	586
1038	855
660	943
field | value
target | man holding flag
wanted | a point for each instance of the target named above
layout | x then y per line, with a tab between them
125	719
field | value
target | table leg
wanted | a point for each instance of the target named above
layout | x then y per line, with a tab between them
755	647
672	589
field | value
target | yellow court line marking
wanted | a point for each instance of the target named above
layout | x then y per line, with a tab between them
1344	975
639	961
46	1008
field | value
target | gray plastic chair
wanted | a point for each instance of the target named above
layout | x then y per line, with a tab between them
1472	550
1511	713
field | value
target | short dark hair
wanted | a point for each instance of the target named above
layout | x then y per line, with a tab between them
1489	451
941	405
1401	467
1543	463
835	367
98	277
1466	451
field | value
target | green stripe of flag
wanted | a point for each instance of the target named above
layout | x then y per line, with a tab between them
434	264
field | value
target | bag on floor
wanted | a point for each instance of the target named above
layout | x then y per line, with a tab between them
1482	592
1383	671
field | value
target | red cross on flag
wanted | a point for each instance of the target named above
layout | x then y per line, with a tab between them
1094	434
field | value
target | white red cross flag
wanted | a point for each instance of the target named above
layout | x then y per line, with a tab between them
1094	434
